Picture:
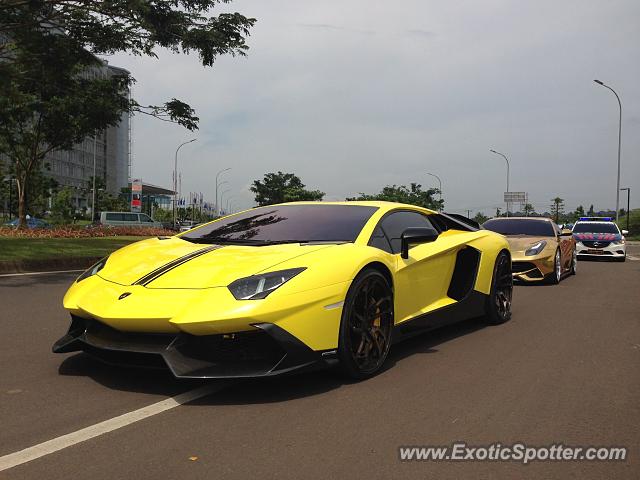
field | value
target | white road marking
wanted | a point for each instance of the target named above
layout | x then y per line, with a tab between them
32	453
39	273
631	257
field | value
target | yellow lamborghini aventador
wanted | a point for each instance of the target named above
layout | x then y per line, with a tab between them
288	287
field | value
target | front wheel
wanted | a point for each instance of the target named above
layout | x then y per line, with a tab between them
366	325
498	307
554	277
574	262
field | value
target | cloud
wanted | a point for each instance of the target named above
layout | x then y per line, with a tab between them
320	95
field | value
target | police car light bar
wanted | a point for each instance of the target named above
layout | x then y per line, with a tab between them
595	219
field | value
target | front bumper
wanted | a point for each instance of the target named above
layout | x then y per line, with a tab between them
267	350
532	269
601	250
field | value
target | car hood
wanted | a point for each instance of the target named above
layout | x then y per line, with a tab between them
597	237
176	263
519	244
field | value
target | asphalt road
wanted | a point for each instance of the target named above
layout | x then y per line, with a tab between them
565	369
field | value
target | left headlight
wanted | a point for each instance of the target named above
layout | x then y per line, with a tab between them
93	270
259	286
536	248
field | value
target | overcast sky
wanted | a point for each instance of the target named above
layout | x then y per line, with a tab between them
354	95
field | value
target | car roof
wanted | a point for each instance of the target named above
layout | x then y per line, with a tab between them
364	203
539	219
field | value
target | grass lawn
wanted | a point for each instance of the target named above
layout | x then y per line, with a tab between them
43	248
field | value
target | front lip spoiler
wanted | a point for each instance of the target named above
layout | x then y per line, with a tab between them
266	351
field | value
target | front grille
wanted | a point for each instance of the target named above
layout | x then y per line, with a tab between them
595	244
526	269
518	267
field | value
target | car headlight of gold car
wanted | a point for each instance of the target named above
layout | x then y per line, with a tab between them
259	286
536	248
93	269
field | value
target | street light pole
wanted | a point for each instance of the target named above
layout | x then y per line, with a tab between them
93	190
175	181
506	160
217	204
229	202
628	189
439	184
222	194
619	145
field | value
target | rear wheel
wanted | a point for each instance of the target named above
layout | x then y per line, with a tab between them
366	325
498	307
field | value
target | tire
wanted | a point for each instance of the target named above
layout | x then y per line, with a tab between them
554	277
574	263
498	305
366	325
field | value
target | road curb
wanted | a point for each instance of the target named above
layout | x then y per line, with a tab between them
46	265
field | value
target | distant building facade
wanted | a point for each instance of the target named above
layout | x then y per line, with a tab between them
74	168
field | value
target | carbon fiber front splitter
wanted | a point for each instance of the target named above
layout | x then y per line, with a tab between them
266	351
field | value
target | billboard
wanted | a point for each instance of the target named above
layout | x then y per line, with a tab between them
515	197
136	195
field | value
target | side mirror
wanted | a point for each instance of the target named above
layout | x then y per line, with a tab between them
566	233
415	236
625	232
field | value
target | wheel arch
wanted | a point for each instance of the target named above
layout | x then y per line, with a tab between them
382	268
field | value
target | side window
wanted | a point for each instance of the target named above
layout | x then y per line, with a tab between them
394	224
145	218
379	240
130	217
114	217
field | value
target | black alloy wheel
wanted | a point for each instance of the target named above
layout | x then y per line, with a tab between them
366	325
498	308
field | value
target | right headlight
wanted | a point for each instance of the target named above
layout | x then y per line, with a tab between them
257	287
536	248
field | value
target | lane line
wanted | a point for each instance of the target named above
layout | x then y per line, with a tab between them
39	273
32	453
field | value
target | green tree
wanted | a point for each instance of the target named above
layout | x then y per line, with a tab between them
54	89
63	209
591	211
557	209
528	209
480	218
412	195
282	187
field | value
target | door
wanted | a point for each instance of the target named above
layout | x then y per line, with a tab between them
422	280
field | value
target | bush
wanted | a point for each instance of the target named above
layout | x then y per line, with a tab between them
74	231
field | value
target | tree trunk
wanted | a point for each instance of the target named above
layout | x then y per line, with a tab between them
22	207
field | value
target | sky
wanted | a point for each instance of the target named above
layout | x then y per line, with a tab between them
355	95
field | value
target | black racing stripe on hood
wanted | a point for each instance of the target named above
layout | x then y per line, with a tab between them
150	277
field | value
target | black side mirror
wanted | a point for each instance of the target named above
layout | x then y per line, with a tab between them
414	236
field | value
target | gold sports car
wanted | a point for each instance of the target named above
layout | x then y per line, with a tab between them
288	287
540	251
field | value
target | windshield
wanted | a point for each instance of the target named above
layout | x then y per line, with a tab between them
592	227
521	226
286	223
